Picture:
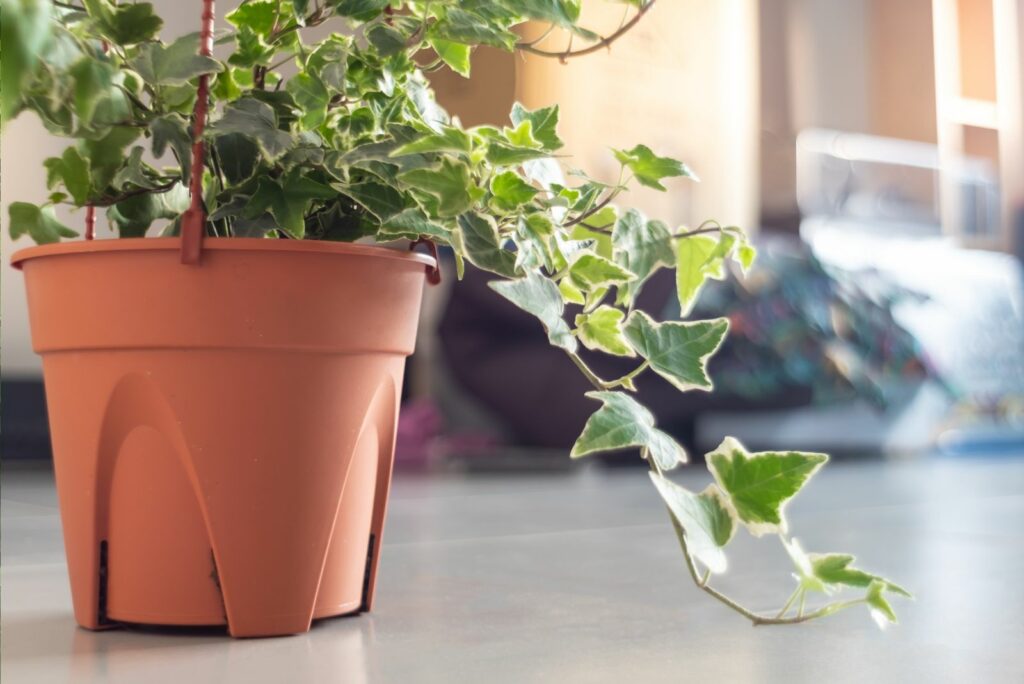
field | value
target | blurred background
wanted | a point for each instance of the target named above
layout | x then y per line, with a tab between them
875	148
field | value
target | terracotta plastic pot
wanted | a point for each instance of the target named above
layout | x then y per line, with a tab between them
222	433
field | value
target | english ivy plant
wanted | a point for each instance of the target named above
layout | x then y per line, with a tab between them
353	146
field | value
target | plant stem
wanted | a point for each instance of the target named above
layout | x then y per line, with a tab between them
603	43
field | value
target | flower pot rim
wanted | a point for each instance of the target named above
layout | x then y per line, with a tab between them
236	244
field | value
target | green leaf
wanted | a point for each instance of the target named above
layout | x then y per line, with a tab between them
544	124
329	61
693	255
510	191
677	351
25	33
641	246
288	200
311	96
759	485
174	64
482	245
135	172
106	155
746	254
40	223
601	329
380	200
73	170
125	24
455	55
449	183
238	157
257	121
171	130
360	10
258	16
648	168
622	422
539	296
570	293
835	568
706	519
461	26
413	223
388	40
448	139
590	271
92	79
881	612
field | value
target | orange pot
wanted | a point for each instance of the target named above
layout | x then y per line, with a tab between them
222	434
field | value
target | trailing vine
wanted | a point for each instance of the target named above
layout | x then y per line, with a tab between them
353	146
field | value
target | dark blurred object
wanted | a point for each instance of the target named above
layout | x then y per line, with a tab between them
24	430
795	322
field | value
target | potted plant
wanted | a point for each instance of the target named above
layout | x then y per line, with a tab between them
223	396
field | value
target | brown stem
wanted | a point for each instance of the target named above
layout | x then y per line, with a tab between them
603	43
110	201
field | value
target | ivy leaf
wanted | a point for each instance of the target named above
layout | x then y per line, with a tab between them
171	130
360	10
92	79
760	485
73	170
40	223
461	26
544	124
510	191
601	329
692	257
648	168
238	156
448	139
134	172
746	254
677	351
379	199
413	223
590	271
482	245
25	32
388	40
255	120
174	64
105	155
455	55
642	246
125	24
329	61
881	612
539	296
287	200
258	16
312	98
622	422
835	568
450	183
706	519
570	293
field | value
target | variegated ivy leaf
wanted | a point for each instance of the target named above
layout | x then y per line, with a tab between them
881	612
648	168
692	255
448	139
480	242
544	124
539	296
601	329
455	55
677	351
589	272
257	121
641	246
836	568
707	520
175	64
622	423
450	183
760	485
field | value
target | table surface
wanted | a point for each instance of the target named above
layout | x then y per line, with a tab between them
577	577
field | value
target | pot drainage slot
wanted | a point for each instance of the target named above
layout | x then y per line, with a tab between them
104	576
